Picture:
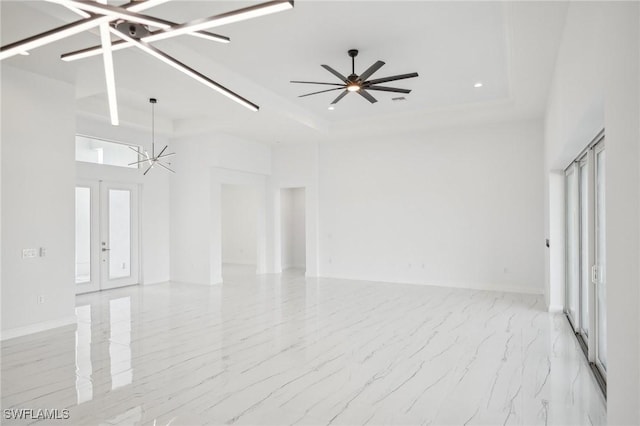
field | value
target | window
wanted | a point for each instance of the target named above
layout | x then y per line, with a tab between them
99	151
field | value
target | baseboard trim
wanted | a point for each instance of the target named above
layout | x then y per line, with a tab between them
156	283
217	280
12	333
554	309
468	286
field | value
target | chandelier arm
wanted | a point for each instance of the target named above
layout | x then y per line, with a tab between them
67	30
150	167
158	54
109	73
165	167
113	12
138	162
194	28
123	44
163	150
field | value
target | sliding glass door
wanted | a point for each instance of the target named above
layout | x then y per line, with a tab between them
585	262
572	304
599	269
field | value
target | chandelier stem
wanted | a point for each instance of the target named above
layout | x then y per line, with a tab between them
153	127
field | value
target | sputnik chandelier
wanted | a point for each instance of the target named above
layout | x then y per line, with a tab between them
133	29
152	159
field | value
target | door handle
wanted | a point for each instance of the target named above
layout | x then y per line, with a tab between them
105	249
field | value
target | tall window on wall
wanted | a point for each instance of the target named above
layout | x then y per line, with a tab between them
585	263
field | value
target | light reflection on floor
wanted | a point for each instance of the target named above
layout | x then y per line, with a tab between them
285	349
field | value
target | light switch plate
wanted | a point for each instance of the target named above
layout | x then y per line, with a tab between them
30	252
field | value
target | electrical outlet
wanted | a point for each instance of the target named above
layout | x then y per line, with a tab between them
41	299
29	253
43	252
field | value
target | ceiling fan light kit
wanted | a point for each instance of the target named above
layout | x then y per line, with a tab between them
138	30
359	83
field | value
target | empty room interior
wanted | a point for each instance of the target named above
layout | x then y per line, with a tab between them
320	212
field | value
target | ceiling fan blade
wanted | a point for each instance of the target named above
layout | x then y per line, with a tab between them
392	78
174	63
321	91
316	82
369	72
388	89
340	96
367	96
334	72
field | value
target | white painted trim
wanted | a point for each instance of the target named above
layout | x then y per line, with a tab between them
555	309
468	286
156	283
239	262
38	327
217	280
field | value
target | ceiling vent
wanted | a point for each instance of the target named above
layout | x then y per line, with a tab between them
399	99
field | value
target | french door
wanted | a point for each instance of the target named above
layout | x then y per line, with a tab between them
585	261
107	237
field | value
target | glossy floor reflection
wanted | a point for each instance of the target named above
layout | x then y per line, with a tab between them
284	349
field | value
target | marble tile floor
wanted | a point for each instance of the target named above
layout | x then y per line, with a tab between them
289	350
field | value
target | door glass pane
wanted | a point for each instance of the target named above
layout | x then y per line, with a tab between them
601	263
584	250
83	235
119	233
572	270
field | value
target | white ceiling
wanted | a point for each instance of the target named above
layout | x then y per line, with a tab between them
509	46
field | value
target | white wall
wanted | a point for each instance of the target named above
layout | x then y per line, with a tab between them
596	85
203	164
293	229
239	215
452	207
294	166
38	176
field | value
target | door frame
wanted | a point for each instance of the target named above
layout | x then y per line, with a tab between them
601	271
99	231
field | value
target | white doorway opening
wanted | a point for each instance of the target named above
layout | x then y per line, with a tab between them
293	229
239	217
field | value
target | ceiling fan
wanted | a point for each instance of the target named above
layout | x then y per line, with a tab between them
359	83
131	28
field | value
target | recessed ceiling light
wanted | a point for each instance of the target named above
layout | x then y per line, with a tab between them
331	108
478	85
